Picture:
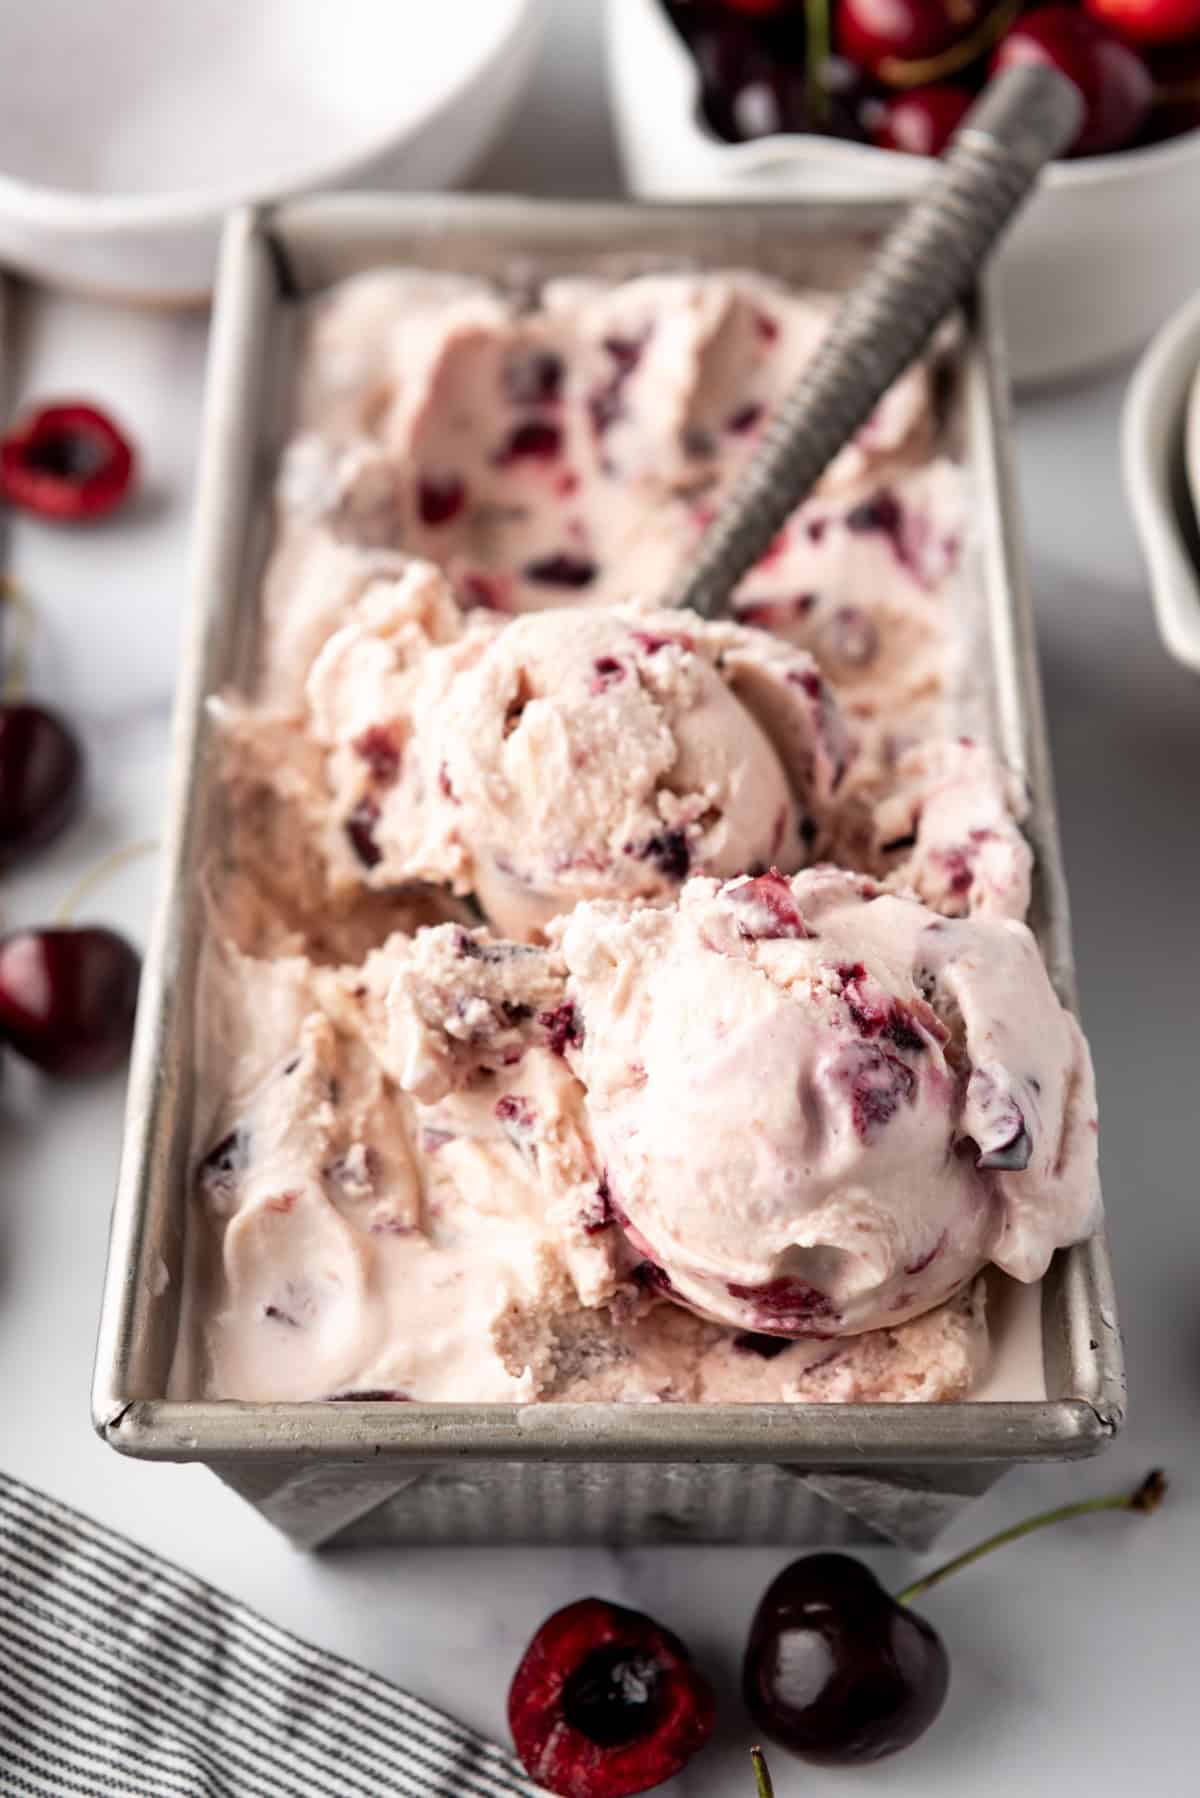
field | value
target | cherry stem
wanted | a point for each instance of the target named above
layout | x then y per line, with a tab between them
16	662
1176	93
119	858
1147	1497
762	1778
816	55
899	71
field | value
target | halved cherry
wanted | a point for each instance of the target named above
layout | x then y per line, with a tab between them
68	462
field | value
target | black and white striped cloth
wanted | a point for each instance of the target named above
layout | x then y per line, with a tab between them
120	1674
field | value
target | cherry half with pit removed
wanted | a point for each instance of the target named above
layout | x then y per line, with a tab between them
606	1703
68	995
67	462
841	1673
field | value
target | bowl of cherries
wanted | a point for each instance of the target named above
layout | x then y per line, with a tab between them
840	99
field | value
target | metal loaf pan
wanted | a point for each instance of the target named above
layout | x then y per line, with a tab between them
543	1472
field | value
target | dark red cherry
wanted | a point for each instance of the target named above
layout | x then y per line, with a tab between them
607	1703
921	121
1175	70
1149	21
759	9
840	1672
67	997
873	32
41	774
836	1670
746	92
68	462
1115	83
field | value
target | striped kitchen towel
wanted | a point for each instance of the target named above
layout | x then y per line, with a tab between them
120	1674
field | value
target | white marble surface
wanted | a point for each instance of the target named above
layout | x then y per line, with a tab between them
1073	1654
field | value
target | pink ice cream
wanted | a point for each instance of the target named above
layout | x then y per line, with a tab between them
348	1239
574	451
453	1242
571	755
575	454
939	820
822	1108
646	1136
595	753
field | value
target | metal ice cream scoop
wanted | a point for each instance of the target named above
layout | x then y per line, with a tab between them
1024	118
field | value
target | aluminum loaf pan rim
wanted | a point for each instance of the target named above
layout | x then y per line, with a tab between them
271	256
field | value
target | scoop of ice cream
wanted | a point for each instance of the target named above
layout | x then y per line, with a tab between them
573	755
822	1108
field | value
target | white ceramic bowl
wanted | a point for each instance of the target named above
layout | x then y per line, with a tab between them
1101	255
129	127
1161	452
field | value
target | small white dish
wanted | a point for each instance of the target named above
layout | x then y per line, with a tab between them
129	128
1099	257
1161	453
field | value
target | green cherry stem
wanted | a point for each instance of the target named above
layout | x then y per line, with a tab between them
1176	93
762	1778
95	876
901	71
818	45
1147	1497
15	601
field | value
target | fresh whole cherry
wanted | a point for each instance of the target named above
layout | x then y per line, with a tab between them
41	774
841	1672
606	1703
1115	83
1149	21
68	995
836	1670
68	462
746	94
873	32
921	121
